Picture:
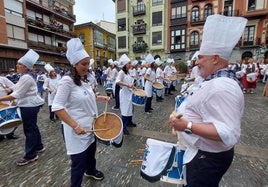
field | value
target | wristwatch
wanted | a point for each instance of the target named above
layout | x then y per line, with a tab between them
188	129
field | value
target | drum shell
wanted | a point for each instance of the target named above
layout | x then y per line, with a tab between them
10	118
109	88
251	77
139	97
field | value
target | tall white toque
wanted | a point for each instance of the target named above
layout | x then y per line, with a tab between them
75	51
149	58
123	60
221	34
29	58
49	68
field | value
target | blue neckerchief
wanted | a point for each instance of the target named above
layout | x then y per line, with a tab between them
224	73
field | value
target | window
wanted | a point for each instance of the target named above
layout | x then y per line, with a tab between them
194	39
256	5
14	7
208	11
122	42
121	6
228	8
157	38
157	2
157	18
178	39
15	32
82	38
98	38
249	35
178	12
121	24
195	14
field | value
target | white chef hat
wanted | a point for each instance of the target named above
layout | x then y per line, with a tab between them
143	62
29	59
49	68
149	58
110	61
158	61
116	63
221	34
91	62
169	60
75	51
135	62
123	60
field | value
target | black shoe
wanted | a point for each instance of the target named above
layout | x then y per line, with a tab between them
151	109
158	100
13	137
115	108
2	138
125	131
170	93
132	125
98	175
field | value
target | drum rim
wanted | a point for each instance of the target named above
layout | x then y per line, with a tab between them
121	130
140	90
11	130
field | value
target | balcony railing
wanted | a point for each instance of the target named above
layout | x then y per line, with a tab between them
46	47
139	28
139	47
139	10
230	13
54	9
53	27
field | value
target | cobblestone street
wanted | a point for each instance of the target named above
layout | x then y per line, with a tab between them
249	168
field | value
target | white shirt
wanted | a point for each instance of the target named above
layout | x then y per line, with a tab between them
52	84
80	104
25	91
219	101
5	82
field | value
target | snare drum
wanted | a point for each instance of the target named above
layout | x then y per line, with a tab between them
112	133
166	83
157	86
239	74
10	118
251	77
157	159
175	173
109	88
139	97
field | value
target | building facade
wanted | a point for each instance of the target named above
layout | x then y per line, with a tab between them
42	25
98	42
173	28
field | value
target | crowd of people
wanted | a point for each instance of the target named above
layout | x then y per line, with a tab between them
211	113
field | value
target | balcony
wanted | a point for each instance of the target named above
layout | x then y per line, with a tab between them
200	20
252	43
51	27
52	9
139	29
139	9
139	47
48	48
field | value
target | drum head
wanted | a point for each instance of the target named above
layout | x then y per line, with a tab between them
10	124
158	85
6	131
140	92
112	123
3	105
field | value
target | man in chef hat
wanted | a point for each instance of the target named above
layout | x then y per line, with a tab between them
210	126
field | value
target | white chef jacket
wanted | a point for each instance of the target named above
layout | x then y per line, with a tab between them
148	88
80	104
52	84
219	101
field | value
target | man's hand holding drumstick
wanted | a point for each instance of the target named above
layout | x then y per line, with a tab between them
177	121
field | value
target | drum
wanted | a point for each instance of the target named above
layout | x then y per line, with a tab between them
157	159
173	77
10	118
157	86
175	173
239	74
166	83
139	97
108	128
109	88
251	77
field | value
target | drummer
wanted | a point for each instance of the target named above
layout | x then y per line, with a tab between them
126	82
75	104
91	75
150	79
144	66
159	78
111	75
5	89
168	72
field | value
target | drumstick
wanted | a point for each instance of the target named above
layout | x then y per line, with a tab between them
173	114
95	130
104	119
